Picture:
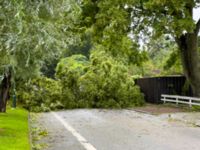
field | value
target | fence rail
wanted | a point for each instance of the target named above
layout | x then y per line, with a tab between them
180	99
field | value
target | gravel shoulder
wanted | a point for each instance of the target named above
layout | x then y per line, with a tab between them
157	109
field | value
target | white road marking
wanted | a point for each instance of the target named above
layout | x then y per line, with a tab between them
78	136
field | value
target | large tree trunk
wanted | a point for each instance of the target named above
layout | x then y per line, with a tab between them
4	91
188	45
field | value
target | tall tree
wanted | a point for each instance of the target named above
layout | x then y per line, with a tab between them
151	18
108	23
30	32
174	18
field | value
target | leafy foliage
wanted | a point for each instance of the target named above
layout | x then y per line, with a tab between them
68	71
75	63
164	58
100	82
46	28
32	32
40	94
164	17
108	23
108	84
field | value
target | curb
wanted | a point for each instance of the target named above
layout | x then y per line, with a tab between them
30	131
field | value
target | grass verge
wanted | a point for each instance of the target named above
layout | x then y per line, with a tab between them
14	131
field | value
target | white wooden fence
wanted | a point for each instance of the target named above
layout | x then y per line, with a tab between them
180	99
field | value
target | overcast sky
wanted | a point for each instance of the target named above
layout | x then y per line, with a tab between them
196	14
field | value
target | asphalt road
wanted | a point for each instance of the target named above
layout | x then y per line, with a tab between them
117	130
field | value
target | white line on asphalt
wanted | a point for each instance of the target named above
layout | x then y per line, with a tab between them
78	136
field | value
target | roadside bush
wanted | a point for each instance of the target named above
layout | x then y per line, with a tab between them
40	94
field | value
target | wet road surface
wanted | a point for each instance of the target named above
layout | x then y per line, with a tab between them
94	129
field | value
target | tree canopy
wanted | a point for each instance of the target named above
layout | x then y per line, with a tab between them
146	19
31	32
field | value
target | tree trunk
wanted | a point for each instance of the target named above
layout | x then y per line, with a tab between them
4	93
188	46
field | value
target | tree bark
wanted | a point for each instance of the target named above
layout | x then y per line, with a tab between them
188	46
4	93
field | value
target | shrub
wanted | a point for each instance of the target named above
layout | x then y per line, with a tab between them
41	94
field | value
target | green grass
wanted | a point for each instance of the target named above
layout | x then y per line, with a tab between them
14	132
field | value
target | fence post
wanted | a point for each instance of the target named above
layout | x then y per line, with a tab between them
176	100
190	103
164	99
